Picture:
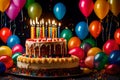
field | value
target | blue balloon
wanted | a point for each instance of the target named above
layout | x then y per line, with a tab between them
2	67
59	10
81	30
13	40
114	57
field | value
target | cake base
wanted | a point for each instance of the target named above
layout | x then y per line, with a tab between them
50	73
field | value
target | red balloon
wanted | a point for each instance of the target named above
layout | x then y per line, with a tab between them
109	46
95	28
77	51
117	35
17	48
7	60
86	7
112	69
5	33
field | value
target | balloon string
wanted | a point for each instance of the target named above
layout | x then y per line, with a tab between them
14	25
107	27
110	28
102	30
1	19
22	15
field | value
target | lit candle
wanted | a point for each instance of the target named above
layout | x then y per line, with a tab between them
53	29
37	29
43	29
32	23
59	30
46	31
49	28
40	29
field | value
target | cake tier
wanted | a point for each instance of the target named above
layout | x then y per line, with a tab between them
47	63
46	47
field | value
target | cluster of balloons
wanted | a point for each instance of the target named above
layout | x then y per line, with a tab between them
100	6
10	51
91	56
12	7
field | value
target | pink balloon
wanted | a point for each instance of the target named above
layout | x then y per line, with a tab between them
86	7
17	48
89	61
109	46
77	51
12	11
19	3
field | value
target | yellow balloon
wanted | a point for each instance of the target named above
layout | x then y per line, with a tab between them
5	50
93	51
4	4
114	6
34	10
101	8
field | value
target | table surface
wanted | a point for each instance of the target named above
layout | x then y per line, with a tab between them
90	76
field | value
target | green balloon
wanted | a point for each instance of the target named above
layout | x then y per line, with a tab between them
66	34
14	57
91	42
28	2
100	60
34	10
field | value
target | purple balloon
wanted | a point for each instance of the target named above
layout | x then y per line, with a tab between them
13	11
85	46
19	3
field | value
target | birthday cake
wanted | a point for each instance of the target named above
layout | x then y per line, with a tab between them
48	55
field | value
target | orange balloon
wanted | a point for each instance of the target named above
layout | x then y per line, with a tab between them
89	61
93	51
114	6
117	36
4	4
101	8
95	28
74	42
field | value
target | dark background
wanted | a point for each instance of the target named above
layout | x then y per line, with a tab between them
20	26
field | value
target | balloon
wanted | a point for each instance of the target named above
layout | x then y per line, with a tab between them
109	46
7	60
86	7
5	50
91	41
117	36
95	28
89	61
4	4
34	10
112	69
101	6
74	42
114	6
5	33
93	51
2	67
64	34
81	30
85	46
77	51
100	60
28	3
17	48
15	55
19	3
13	40
13	11
114	57
59	10
82	63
